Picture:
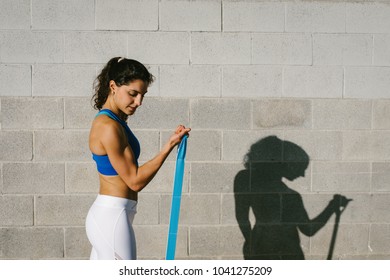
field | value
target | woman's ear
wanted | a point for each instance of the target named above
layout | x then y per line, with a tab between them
113	86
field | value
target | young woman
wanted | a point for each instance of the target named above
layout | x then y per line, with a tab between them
119	91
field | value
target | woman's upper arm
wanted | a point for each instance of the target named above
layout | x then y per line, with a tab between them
119	152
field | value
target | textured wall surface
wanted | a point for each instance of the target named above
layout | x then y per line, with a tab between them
313	73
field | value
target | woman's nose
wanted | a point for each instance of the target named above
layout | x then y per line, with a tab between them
138	100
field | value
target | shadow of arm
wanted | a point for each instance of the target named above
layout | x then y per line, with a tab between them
336	205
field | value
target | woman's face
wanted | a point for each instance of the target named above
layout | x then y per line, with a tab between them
129	97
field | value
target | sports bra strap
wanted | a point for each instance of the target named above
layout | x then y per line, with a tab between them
112	115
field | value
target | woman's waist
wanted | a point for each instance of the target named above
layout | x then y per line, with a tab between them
115	202
115	186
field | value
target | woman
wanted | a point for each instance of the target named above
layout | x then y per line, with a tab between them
119	91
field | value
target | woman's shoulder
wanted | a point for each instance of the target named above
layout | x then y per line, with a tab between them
105	126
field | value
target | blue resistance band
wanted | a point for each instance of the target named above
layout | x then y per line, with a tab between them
176	198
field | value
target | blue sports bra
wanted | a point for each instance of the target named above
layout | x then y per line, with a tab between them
103	163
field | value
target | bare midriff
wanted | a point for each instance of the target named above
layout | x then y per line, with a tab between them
115	186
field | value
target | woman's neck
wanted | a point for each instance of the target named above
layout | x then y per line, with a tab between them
110	105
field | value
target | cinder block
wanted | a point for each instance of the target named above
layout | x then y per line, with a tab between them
381	114
252	81
81	178
202	145
196	209
342	49
381	50
32	243
236	145
367	82
16	145
16	211
15	14
77	245
328	17
220	48
1	179
341	176
94	47
313	81
378	208
229	209
76	80
380	177
127	15
150	143
148	207
282	114
379	239
380	150
356	145
368	17
204	241
363	257
319	145
61	145
231	241
190	81
253	16
31	47
213	177
62	210
185	15
33	178
11	73
32	113
163	182
341	114
173	47
158	113
351	239
220	114
282	48
152	242
79	113
63	15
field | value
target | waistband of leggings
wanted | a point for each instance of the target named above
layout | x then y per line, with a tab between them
116	202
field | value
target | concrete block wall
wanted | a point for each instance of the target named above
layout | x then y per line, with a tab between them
314	73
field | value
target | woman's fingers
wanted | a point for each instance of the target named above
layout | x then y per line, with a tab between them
182	130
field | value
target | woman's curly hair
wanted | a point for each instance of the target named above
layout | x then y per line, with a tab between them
122	71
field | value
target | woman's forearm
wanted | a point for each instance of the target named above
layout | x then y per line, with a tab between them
145	173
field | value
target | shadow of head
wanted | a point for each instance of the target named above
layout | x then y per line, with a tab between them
277	157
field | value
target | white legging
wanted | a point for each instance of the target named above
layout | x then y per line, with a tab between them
109	228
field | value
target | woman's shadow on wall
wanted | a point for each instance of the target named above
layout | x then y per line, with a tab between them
278	210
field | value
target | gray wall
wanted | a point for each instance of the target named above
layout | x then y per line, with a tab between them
315	73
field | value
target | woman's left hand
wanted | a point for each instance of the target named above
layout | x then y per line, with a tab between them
180	131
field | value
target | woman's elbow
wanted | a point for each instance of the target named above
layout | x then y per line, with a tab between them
135	187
